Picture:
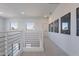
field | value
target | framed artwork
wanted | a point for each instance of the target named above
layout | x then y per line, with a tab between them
49	28
65	23
64	26
56	26
77	21
52	27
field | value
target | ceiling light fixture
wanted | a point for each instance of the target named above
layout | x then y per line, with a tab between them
22	12
45	16
1	12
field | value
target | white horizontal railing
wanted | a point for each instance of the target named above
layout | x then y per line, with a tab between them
33	40
2	44
10	43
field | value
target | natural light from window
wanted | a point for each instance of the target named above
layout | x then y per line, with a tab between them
13	25
30	26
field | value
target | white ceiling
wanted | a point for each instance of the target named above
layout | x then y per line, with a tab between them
29	9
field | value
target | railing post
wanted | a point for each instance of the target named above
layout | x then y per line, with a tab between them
6	44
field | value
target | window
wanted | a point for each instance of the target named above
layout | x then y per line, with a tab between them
30	26
13	25
15	48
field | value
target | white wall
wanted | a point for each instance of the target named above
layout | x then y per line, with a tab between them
69	43
40	24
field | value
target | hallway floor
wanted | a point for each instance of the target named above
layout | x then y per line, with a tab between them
50	49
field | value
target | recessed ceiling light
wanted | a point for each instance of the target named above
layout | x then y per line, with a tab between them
45	16
22	12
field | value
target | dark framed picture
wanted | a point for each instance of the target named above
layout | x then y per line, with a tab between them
77	21
65	23
51	27
56	26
